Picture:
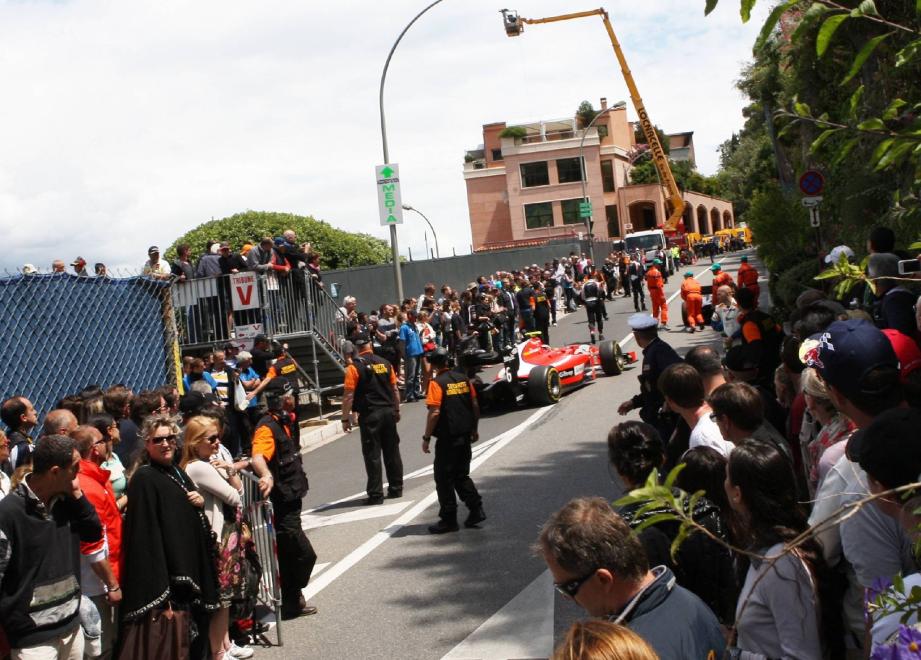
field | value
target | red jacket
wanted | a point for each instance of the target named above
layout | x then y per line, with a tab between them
95	484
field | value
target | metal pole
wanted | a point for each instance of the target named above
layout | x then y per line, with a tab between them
591	241
397	275
407	207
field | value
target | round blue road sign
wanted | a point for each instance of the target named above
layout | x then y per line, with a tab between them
811	183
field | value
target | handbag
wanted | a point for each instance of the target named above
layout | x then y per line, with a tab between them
162	634
239	569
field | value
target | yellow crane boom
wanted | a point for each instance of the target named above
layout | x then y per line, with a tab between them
514	26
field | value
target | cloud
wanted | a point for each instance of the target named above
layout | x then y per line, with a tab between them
126	124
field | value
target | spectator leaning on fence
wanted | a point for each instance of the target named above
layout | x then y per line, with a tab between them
154	266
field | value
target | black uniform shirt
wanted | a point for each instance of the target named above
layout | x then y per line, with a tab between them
657	357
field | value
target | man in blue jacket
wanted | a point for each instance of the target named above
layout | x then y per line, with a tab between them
597	561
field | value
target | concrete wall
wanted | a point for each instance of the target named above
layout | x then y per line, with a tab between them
374	285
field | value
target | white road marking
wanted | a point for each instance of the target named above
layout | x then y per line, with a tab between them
310	521
523	628
362	551
318	568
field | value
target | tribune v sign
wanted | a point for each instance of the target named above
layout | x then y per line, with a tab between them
244	292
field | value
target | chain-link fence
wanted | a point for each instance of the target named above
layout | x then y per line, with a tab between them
62	332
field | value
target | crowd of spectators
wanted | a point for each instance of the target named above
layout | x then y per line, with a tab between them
794	441
792	420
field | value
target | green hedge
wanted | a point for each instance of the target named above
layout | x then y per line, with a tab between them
787	287
337	248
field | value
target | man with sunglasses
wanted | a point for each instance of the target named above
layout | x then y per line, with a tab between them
598	562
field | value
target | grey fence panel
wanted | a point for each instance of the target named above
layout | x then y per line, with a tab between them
374	285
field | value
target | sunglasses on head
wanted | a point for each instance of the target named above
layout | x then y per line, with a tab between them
571	588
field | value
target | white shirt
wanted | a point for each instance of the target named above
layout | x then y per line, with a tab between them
707	434
4	485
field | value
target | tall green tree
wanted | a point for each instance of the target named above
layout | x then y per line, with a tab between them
337	248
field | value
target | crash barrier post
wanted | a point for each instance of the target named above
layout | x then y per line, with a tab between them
62	332
258	511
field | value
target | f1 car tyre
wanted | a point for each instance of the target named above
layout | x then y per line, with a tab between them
612	358
544	385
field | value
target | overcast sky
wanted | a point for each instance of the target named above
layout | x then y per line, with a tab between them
126	123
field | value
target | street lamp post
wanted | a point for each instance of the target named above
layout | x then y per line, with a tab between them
397	275
591	234
407	207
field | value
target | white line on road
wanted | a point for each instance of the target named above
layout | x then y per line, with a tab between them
309	521
362	551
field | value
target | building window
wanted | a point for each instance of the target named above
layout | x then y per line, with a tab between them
607	175
602	131
569	170
570	209
497	154
538	215
610	212
535	174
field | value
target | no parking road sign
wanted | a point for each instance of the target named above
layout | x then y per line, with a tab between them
812	183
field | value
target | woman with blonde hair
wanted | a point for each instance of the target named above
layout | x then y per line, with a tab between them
835	428
596	639
220	486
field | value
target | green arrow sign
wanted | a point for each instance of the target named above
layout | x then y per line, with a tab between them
389	201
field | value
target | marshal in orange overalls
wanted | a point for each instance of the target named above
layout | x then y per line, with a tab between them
722	278
748	278
655	284
693	301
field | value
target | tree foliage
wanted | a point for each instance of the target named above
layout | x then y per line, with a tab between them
640	137
834	88
337	248
586	113
687	178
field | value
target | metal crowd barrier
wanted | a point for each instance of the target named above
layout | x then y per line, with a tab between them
261	517
286	305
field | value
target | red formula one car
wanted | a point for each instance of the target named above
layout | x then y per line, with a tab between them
536	373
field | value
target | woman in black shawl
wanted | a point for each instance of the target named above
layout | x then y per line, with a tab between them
168	552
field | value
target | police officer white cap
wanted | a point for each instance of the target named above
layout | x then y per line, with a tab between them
641	321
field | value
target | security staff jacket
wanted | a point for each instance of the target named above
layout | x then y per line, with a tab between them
372	380
282	452
286	367
590	293
657	357
451	392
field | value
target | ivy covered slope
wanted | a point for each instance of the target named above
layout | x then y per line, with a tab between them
337	248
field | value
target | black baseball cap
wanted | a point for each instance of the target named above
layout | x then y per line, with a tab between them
361	339
741	358
889	449
192	402
278	387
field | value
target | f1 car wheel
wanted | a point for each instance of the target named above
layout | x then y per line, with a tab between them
612	358
544	385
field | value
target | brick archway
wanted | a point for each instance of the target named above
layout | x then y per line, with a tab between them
703	221
727	220
715	220
644	215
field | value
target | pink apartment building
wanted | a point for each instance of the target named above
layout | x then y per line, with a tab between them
527	190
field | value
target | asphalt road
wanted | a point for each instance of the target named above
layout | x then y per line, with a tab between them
386	588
